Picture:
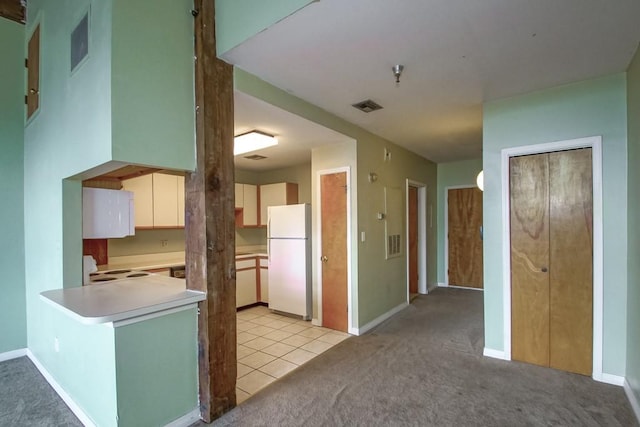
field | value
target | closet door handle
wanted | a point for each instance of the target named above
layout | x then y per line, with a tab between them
543	269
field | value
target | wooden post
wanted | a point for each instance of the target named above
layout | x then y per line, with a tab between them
210	220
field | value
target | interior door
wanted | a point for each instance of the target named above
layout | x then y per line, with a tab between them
464	221
551	260
413	240
333	195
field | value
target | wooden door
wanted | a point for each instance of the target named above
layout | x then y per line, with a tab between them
464	221
333	194
551	260
413	240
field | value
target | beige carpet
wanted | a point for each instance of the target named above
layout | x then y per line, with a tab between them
424	367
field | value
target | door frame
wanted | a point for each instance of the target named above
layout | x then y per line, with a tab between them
446	235
595	143
422	235
318	320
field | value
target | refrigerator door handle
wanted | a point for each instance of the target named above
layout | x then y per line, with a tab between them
268	251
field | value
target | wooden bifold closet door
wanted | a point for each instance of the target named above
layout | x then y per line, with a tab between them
551	260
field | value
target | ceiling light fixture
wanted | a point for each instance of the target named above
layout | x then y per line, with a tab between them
397	72
480	180
252	141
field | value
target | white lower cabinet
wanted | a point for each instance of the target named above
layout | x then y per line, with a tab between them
246	282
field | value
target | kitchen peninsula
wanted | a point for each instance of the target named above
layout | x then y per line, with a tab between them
132	343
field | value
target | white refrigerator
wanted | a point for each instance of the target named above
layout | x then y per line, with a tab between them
289	250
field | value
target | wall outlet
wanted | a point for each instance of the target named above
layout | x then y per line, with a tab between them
56	345
164	243
387	155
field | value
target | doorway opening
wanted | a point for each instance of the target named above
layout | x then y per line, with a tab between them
463	256
334	247
416	239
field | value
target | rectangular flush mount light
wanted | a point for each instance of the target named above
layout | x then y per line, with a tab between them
252	141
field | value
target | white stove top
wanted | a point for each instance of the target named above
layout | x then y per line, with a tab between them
111	275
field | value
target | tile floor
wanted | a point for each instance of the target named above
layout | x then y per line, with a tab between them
271	345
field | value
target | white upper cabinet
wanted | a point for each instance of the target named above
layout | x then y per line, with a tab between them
246	205
142	189
282	193
158	199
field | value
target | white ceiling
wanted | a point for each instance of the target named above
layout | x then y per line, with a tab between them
457	54
296	136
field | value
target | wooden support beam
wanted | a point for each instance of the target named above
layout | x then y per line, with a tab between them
210	220
12	9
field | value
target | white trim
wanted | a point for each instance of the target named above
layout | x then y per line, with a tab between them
350	302
316	322
77	411
465	287
446	226
149	316
378	320
13	354
595	143
422	234
610	379
633	399
442	285
496	354
186	420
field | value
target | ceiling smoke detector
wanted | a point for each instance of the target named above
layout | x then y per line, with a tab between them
367	106
255	157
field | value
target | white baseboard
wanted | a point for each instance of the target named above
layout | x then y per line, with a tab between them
443	285
465	287
633	399
186	420
316	322
78	412
610	379
14	354
378	320
496	354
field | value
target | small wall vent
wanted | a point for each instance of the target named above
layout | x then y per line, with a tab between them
255	157
367	106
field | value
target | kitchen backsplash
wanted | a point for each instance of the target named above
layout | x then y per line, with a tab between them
148	242
251	236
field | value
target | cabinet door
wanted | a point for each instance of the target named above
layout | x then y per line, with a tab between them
165	200
142	188
264	280
105	213
250	205
181	201
239	195
282	193
246	287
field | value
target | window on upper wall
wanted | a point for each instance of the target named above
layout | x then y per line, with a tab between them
33	72
80	42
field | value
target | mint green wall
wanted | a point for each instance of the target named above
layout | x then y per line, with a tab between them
72	133
633	177
152	82
378	285
595	107
85	364
163	351
238	20
462	173
13	324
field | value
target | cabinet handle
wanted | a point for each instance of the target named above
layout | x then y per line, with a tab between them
543	269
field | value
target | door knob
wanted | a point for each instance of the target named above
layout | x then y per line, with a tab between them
324	258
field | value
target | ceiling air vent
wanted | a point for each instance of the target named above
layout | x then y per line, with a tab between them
255	157
367	106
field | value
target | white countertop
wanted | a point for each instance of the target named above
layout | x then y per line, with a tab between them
122	299
169	259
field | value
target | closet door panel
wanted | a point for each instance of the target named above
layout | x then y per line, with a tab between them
571	275
529	189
